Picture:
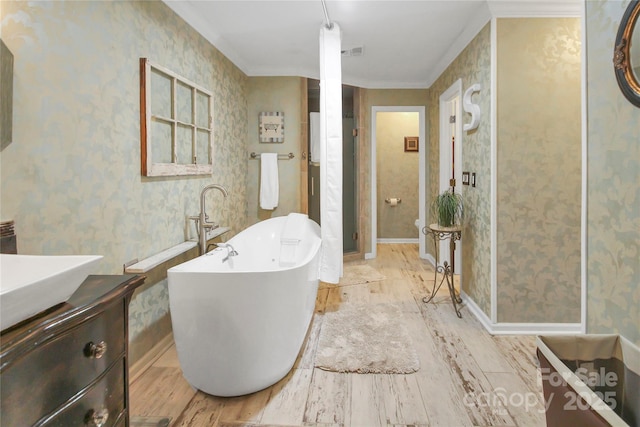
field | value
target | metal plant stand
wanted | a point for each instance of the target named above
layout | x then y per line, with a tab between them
452	234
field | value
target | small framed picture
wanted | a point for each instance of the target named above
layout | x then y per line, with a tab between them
411	143
465	178
271	126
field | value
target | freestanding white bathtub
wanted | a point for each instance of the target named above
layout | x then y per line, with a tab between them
239	324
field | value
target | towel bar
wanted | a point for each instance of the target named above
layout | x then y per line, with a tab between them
280	156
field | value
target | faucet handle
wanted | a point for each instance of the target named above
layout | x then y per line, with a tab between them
230	249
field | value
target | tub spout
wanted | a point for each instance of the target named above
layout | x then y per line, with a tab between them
203	219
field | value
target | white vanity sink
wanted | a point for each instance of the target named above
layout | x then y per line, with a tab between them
30	284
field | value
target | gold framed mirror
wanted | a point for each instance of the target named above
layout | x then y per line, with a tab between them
626	57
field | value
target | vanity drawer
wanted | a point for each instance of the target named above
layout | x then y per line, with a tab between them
101	405
42	380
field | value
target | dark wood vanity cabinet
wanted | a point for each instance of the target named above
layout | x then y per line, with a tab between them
68	366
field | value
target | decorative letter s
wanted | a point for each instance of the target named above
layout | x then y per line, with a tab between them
471	108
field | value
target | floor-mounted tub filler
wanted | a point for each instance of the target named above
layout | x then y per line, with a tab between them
240	313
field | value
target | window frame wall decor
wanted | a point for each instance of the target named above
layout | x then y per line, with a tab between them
271	126
176	136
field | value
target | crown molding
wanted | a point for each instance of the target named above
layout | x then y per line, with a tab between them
535	8
505	9
491	9
195	20
469	32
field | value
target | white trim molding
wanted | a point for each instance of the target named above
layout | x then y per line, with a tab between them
446	100
186	11
431	260
495	328
422	150
469	32
535	8
585	165
493	228
388	241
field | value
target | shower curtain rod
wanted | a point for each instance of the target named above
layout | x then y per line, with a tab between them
329	24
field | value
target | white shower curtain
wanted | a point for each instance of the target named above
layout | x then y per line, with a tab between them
331	154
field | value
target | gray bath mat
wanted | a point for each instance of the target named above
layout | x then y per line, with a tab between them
366	339
358	274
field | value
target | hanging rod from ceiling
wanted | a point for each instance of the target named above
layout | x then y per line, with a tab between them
328	24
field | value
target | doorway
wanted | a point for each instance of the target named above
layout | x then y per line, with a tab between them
451	158
421	196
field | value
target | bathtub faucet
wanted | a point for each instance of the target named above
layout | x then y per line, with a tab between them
230	250
203	223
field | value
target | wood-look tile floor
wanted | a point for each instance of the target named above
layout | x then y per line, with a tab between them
466	378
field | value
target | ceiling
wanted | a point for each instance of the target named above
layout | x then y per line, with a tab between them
405	44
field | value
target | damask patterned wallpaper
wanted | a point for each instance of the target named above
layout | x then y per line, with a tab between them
71	178
473	65
613	184
538	170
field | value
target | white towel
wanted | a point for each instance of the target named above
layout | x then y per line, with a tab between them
293	228
314	131
269	186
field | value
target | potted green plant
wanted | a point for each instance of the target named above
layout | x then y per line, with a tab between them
448	208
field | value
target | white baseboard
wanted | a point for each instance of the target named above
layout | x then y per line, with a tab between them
519	328
430	259
385	241
476	311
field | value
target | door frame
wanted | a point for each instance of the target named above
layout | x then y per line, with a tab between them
453	92
422	157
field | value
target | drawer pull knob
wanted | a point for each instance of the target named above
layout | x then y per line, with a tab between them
96	418
95	351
